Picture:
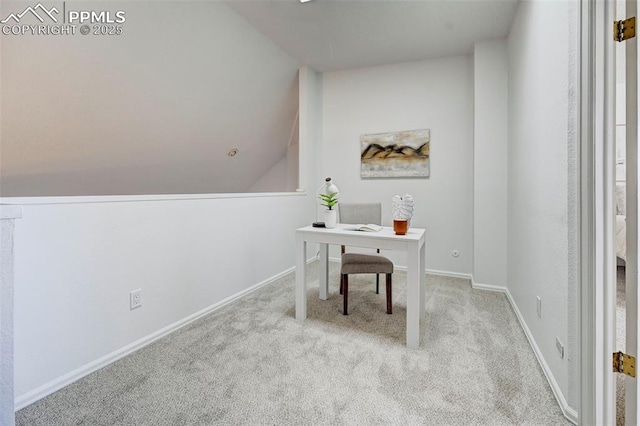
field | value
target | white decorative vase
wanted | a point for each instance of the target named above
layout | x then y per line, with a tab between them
330	218
402	212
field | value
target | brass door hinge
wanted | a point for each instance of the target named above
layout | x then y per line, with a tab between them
624	30
625	364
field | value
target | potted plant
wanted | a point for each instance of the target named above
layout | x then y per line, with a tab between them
330	215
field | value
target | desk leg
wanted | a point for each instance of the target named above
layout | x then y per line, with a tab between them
414	298
423	280
301	278
324	271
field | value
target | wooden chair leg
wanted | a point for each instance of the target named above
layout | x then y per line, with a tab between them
345	288
341	281
389	294
378	278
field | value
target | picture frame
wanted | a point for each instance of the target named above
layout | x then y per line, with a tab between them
403	154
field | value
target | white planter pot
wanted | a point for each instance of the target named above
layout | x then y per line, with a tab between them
330	218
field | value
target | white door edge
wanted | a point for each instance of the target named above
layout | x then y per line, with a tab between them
596	309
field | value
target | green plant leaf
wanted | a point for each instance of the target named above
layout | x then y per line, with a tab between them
330	200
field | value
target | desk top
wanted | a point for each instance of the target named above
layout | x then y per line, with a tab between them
349	231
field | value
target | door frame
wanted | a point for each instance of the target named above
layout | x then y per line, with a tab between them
631	184
596	310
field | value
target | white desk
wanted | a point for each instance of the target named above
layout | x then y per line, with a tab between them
413	243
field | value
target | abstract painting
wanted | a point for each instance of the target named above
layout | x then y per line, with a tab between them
395	154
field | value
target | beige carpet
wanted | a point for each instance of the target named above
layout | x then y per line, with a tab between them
621	317
252	363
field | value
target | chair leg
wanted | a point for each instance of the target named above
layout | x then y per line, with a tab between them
389	294
345	288
341	280
378	278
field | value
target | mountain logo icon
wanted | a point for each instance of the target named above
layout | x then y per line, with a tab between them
38	11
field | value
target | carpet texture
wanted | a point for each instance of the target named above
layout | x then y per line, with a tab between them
621	318
252	363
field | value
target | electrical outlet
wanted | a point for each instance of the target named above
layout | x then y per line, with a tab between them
455	253
135	299
560	348
539	306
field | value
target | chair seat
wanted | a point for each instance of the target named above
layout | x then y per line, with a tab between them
355	263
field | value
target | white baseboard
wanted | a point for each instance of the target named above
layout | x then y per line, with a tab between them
488	287
450	274
65	380
570	413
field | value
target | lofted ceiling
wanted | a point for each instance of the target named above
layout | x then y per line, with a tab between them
330	35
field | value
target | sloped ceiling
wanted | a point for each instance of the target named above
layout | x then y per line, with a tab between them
152	111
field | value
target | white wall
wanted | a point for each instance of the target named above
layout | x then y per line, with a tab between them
283	176
310	127
293	159
434	94
152	111
542	181
77	262
621	111
8	214
274	179
490	163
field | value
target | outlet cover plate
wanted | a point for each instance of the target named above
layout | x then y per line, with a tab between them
560	348
135	299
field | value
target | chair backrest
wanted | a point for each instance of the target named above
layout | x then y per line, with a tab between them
356	213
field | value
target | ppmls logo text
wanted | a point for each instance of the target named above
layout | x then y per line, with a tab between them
43	20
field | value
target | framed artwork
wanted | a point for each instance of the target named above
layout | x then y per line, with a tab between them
395	155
